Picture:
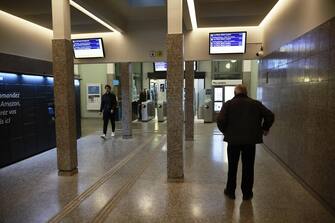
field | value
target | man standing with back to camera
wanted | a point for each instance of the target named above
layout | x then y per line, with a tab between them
107	108
243	122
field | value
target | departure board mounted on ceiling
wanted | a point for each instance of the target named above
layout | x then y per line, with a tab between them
227	42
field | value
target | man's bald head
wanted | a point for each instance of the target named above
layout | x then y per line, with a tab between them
240	89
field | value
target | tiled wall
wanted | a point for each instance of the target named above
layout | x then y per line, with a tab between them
297	82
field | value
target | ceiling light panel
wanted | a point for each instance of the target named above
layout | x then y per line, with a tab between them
191	9
88	13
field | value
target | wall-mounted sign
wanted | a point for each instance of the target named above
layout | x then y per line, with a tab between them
208	92
93	96
10	104
154	53
116	82
226	82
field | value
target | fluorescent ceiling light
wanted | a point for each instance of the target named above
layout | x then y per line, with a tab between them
83	10
17	21
273	11
191	9
227	28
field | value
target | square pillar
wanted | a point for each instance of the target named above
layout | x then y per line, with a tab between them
189	100
126	95
175	80
175	115
64	90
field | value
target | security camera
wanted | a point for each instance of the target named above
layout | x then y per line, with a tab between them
259	53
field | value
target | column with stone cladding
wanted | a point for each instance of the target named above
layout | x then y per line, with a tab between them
64	90
189	99
175	80
126	96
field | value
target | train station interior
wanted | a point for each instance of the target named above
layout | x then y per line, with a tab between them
173	66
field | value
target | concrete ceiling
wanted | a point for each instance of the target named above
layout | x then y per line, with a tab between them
39	12
130	13
218	13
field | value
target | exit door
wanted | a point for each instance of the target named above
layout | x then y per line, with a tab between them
221	95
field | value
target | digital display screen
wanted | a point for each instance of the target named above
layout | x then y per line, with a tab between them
227	42
116	82
88	48
93	89
160	66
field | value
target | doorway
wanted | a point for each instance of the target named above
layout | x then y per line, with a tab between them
221	95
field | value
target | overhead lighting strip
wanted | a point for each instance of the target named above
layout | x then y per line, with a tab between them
85	11
272	13
191	9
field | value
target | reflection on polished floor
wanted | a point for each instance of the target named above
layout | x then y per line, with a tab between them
125	181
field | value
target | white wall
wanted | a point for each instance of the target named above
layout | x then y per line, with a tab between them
136	45
146	67
90	73
197	43
130	47
206	66
288	20
22	38
292	18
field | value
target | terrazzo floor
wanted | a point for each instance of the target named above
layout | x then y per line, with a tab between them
125	181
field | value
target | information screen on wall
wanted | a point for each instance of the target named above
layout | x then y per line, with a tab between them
116	82
227	42
88	48
93	96
160	66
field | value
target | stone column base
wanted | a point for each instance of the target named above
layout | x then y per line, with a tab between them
176	180
68	173
127	137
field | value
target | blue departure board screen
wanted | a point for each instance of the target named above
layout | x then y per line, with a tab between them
227	42
160	66
88	48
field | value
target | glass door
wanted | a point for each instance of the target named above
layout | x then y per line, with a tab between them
218	98
228	92
221	95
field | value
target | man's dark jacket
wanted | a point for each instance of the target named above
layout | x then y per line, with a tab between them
108	103
242	120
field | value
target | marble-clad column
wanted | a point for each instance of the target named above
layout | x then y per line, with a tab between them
126	96
175	80
189	111
62	57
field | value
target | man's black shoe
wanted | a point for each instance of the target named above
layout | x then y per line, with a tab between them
230	195
248	197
